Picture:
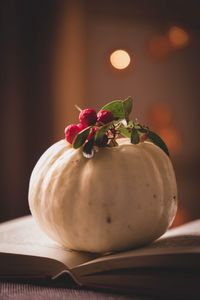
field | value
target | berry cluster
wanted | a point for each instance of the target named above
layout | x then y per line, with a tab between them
89	117
103	129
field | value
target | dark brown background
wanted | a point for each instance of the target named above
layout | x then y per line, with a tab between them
55	54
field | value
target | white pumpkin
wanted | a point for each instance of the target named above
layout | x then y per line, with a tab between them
125	196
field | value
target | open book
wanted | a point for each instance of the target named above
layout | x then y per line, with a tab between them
169	266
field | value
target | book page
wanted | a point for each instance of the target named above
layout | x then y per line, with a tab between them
176	246
23	236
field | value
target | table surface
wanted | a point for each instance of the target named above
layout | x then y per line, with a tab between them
22	291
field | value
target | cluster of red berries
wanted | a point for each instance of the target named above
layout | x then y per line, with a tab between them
89	117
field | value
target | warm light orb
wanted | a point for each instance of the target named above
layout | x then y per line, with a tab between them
178	37
120	59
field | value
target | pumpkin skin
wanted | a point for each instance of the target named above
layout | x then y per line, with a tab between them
124	197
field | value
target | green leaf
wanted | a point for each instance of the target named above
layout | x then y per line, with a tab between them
88	150
124	131
158	141
127	104
135	138
117	108
102	130
81	138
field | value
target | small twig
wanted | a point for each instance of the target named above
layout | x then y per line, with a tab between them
78	108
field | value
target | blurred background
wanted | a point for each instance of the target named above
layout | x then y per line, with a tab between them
55	54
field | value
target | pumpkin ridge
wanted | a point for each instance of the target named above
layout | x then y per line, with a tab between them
101	204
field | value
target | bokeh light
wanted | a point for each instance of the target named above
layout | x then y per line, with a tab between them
160	114
161	118
178	37
120	59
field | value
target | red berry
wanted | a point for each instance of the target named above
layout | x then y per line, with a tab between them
81	126
88	117
70	132
105	116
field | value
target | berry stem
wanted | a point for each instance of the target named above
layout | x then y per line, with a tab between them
78	108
